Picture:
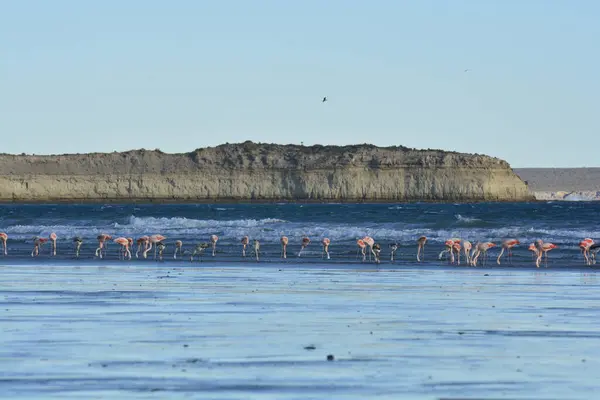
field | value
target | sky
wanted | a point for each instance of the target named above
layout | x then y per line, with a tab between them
113	75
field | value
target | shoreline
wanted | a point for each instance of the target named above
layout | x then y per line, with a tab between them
261	201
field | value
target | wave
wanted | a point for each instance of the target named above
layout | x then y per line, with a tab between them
269	230
466	220
182	222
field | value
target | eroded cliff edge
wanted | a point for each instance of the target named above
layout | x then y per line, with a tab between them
250	171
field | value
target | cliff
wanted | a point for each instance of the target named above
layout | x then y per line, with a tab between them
267	172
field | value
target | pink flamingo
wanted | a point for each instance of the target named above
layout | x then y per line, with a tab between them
481	248
153	240
142	241
369	241
102	244
585	245
457	247
467	246
533	250
124	251
213	241
546	247
450	248
130	242
53	239
507	245
362	247
326	242
245	241
37	243
178	246
305	242
539	250
4	239
284	242
421	247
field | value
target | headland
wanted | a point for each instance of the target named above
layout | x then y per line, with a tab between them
258	172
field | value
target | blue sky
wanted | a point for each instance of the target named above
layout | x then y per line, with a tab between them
84	76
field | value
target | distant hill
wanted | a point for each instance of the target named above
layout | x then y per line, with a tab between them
562	183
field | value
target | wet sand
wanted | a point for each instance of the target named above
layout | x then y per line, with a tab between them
244	331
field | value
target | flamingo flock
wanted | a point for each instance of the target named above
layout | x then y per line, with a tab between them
474	254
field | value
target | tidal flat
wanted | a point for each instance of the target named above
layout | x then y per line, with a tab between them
218	330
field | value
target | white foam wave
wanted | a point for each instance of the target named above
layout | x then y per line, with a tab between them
270	230
466	220
180	222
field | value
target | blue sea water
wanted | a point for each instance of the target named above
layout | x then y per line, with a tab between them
227	328
562	223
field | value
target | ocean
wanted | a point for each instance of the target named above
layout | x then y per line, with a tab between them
228	327
562	223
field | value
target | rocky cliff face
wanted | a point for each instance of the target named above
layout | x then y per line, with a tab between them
267	172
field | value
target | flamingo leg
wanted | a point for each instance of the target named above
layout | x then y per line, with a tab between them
500	256
99	250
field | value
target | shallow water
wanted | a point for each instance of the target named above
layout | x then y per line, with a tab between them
563	223
244	331
232	328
